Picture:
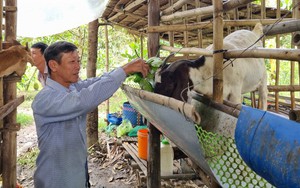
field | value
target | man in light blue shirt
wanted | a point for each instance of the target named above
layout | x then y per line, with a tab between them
60	110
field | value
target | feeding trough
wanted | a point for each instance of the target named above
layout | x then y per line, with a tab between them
229	149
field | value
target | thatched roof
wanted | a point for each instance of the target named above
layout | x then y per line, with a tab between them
133	14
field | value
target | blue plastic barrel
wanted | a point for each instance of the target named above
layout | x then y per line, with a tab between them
270	146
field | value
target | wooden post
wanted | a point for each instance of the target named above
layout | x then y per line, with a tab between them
1	121
1	19
10	21
153	167
218	56
297	16
106	63
9	149
92	117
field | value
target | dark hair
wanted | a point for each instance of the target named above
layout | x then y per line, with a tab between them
40	45
56	50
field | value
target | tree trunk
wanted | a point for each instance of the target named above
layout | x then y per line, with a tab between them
92	117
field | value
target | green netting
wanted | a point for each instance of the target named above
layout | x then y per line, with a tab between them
223	158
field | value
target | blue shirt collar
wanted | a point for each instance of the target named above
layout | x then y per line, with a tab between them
57	86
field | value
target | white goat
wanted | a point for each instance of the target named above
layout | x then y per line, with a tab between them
244	75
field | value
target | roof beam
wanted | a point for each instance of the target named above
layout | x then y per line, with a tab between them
127	8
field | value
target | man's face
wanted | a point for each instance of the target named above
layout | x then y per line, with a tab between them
67	72
37	56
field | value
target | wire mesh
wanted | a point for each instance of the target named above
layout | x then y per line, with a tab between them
223	158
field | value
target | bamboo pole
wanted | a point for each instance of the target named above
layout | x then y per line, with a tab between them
142	46
188	13
263	9
106	63
229	5
218	57
199	51
295	44
185	33
272	88
199	31
283	27
204	25
292	82
171	33
292	78
203	10
297	16
185	109
175	6
128	7
236	17
278	15
283	54
153	167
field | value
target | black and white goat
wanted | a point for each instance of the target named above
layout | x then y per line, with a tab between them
244	75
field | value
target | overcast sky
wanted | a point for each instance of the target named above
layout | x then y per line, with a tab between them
38	18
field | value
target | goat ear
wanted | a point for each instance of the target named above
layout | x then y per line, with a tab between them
199	62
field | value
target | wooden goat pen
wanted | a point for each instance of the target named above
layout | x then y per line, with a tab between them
272	29
191	25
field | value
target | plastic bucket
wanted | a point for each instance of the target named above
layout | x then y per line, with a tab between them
143	143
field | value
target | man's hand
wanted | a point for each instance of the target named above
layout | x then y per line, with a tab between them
136	65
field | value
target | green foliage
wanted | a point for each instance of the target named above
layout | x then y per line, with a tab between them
29	158
24	119
286	4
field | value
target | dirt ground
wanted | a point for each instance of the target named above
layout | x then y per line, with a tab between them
114	171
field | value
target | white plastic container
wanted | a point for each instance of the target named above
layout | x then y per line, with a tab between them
166	158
